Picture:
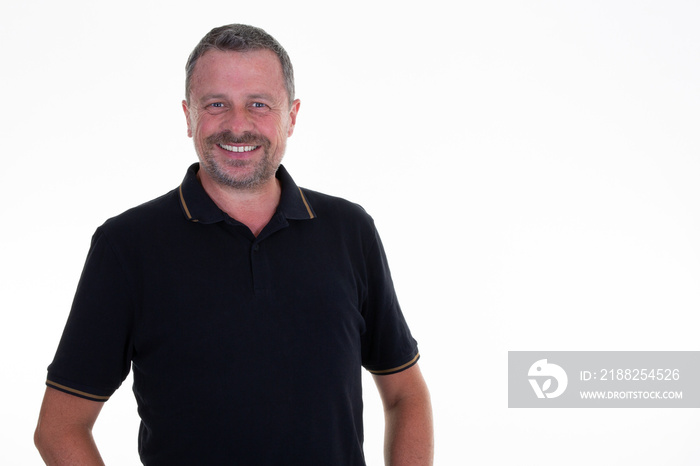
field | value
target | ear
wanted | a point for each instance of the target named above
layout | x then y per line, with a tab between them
187	117
293	116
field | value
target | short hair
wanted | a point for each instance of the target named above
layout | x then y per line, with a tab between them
240	38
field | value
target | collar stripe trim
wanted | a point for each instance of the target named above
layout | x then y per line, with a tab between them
398	369
184	205
76	392
306	204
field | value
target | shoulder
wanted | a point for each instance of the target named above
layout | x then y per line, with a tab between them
326	206
156	214
341	222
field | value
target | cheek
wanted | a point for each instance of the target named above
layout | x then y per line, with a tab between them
283	129
199	137
199	129
282	135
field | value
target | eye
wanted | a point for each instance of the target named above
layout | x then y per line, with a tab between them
258	105
215	108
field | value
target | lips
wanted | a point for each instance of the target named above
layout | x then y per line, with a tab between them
237	148
238	144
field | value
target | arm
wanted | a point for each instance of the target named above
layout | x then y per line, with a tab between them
63	434
408	438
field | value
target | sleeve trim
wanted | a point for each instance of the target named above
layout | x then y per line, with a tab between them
397	369
73	391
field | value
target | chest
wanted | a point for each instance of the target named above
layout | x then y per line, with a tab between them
223	301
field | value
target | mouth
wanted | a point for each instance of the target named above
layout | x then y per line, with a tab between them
238	149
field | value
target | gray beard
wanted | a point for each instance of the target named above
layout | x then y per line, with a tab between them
263	172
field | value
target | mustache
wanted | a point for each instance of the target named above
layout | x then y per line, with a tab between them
227	137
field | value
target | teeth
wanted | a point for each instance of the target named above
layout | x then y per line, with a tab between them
238	148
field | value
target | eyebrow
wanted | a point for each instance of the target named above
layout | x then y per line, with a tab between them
212	96
261	96
256	96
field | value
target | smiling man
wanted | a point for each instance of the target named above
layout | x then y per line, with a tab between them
245	305
240	117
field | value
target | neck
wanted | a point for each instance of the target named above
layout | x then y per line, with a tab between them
254	208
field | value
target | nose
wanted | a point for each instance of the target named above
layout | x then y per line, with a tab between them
238	120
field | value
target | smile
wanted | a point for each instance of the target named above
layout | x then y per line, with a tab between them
238	148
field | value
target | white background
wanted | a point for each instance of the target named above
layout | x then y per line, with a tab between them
532	167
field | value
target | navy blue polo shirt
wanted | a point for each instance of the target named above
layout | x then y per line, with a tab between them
245	350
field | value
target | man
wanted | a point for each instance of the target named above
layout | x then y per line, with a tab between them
245	305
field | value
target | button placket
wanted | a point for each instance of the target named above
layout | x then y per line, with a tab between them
258	269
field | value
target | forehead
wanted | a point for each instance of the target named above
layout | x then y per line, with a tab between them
251	71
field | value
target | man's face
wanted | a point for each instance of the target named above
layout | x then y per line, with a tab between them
239	117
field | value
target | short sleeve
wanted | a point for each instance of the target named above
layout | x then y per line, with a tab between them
387	344
94	354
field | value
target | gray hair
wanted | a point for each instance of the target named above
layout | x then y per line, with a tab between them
240	38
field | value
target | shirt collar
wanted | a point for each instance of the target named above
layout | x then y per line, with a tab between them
197	206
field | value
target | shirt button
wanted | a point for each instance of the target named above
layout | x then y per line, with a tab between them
256	247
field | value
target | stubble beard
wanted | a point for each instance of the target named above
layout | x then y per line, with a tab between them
264	169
